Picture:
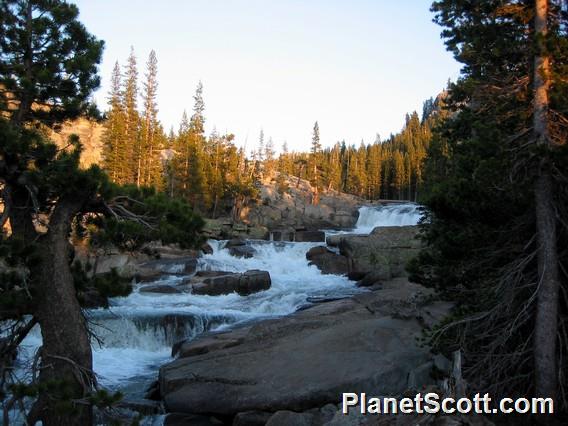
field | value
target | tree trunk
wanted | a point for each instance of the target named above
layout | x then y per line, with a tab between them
66	358
216	202
20	207
546	323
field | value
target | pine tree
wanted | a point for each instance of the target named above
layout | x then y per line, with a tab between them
315	151
269	157
217	150
285	162
398	173
334	174
133	147
374	161
180	162
151	170
57	72
189	174
260	150
114	144
547	322
257	169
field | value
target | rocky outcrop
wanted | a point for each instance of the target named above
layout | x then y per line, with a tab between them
153	261
215	283
304	361
90	134
327	261
384	253
294	203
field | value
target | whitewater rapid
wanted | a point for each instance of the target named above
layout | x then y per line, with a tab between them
138	331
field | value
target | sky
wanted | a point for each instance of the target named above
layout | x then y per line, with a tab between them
357	67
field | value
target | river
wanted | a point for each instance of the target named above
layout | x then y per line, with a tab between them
137	332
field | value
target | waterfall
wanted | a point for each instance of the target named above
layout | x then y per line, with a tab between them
402	214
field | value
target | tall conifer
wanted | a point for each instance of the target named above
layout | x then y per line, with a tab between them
151	172
132	121
114	152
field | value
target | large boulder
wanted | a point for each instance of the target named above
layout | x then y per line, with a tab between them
253	281
327	261
304	360
385	252
126	264
217	283
239	247
242	251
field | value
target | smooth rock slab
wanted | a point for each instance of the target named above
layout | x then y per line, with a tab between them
303	361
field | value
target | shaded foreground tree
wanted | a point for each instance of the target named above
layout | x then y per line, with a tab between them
47	71
496	197
546	325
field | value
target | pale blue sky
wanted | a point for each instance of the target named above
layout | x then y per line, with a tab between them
356	66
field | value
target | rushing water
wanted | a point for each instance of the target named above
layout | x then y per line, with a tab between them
387	215
138	331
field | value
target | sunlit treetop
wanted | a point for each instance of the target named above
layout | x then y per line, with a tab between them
48	61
